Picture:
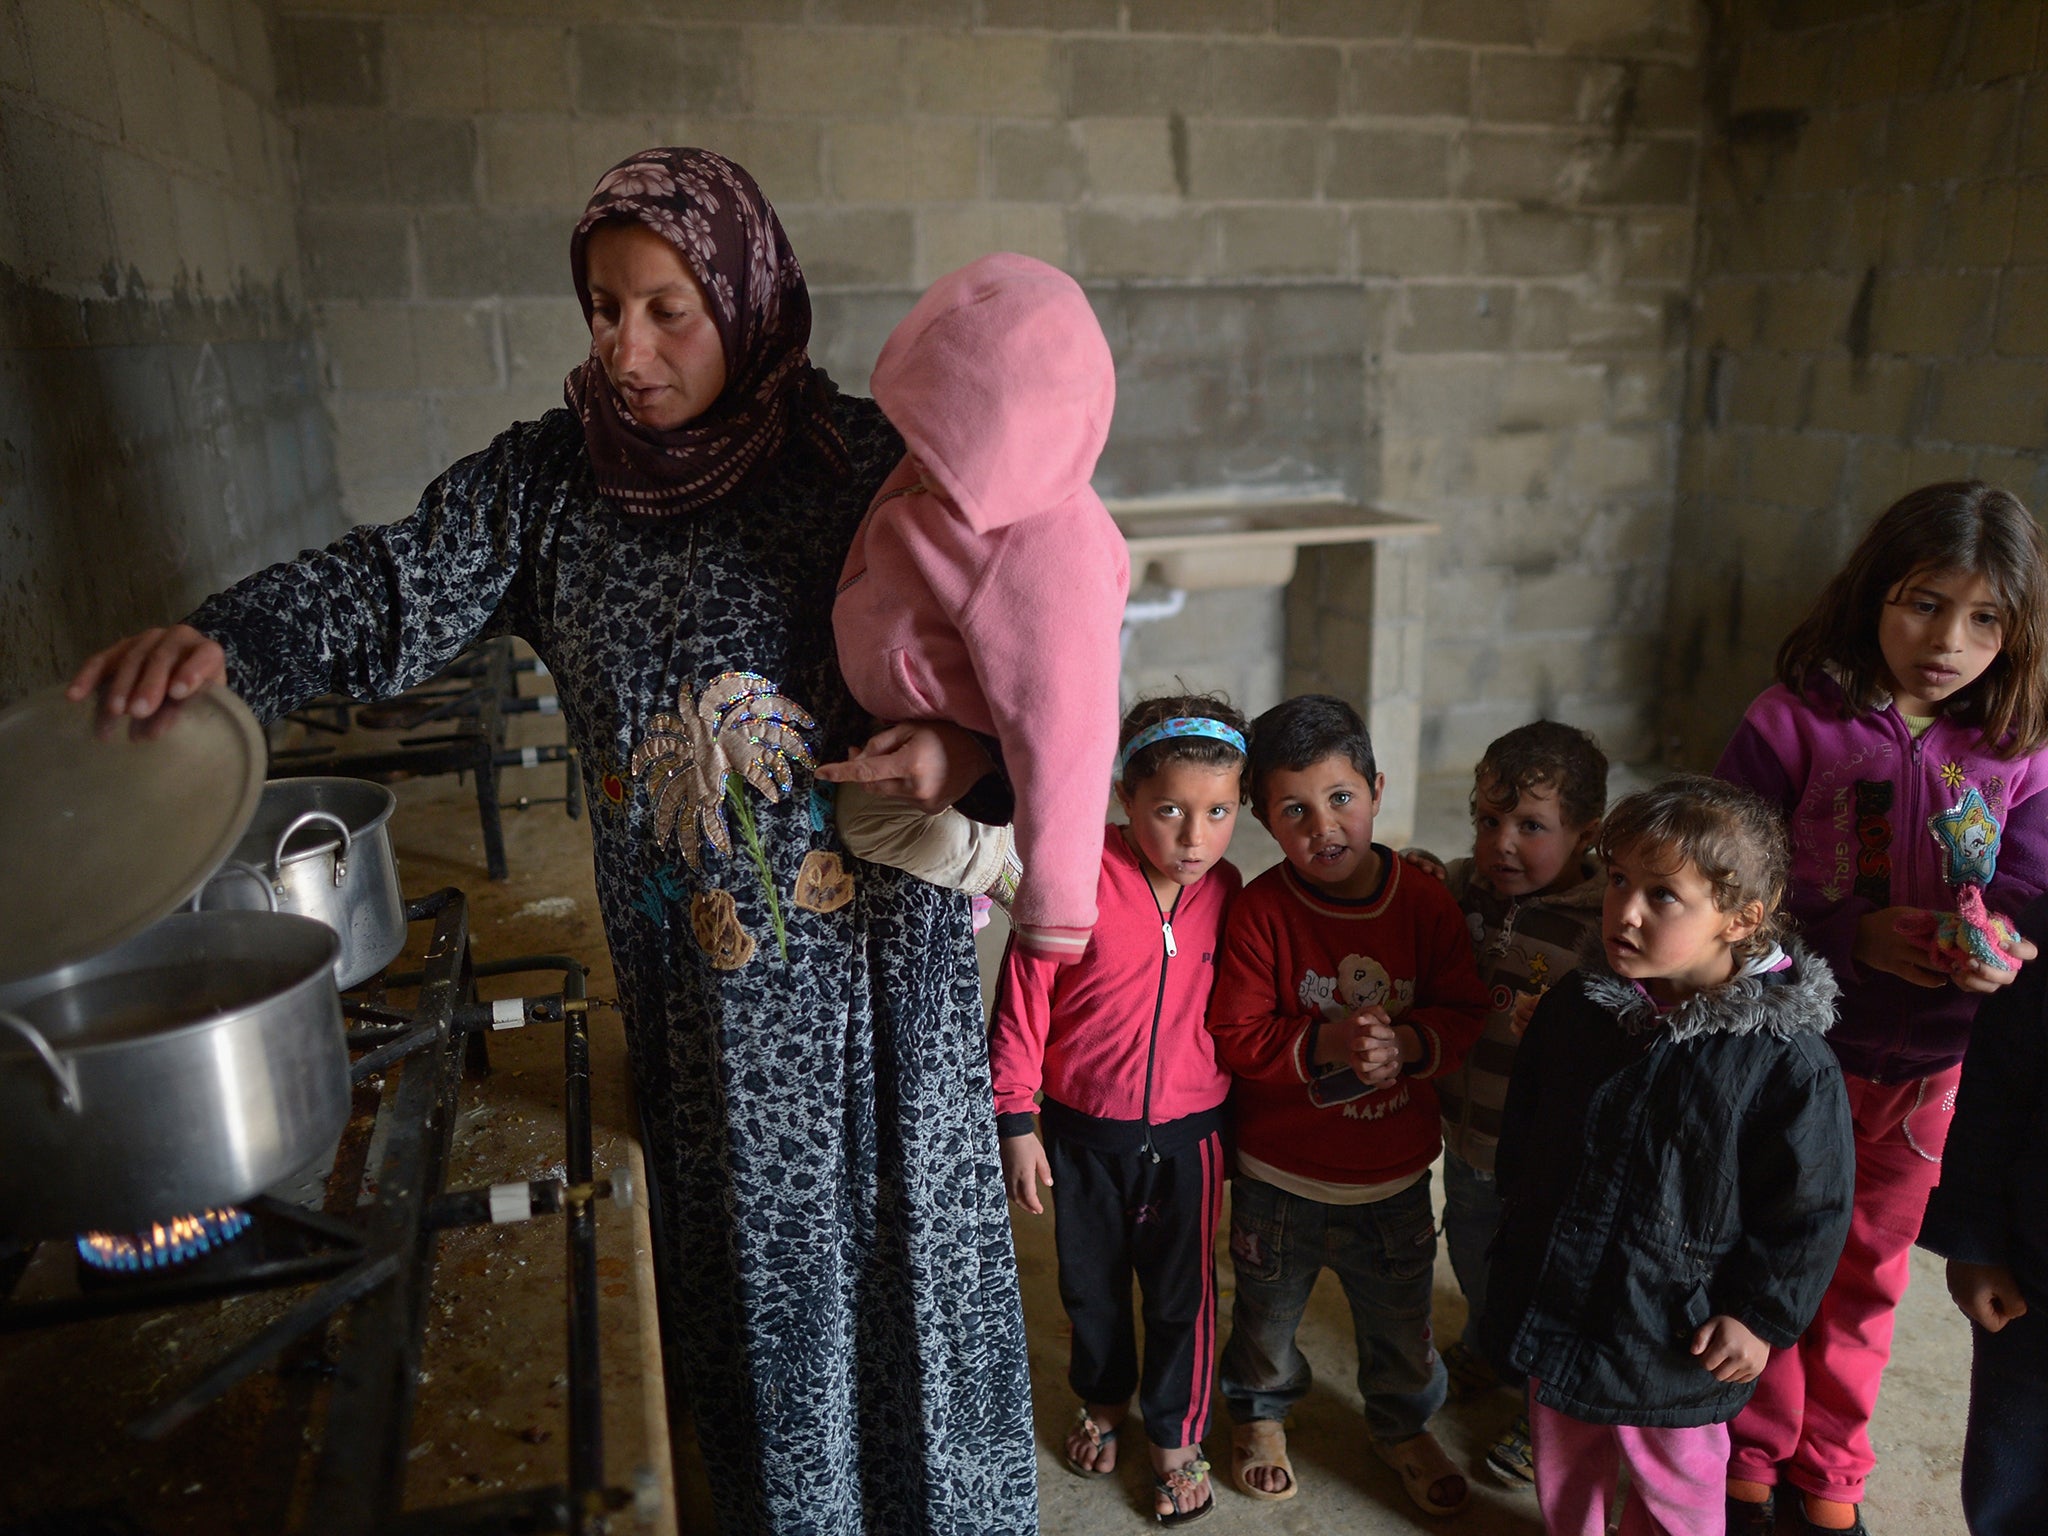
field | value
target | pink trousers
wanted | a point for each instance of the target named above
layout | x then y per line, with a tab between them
1677	1477
1811	1412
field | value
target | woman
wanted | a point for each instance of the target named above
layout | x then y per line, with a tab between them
840	1293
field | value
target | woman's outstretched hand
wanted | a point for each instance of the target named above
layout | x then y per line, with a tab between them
928	763
134	676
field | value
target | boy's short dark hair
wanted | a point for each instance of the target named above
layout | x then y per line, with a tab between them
1734	838
1303	730
1205	751
1546	754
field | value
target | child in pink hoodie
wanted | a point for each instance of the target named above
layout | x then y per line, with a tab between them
986	585
1134	1097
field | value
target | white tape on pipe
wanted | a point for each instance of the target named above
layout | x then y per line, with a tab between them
510	1202
547	704
508	1013
529	757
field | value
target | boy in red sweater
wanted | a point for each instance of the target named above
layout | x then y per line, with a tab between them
1346	983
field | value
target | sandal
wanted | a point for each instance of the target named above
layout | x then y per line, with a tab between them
1180	1485
1753	1517
1425	1469
1097	1437
1261	1443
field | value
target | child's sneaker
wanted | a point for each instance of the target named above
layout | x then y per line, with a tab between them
1470	1375
1511	1460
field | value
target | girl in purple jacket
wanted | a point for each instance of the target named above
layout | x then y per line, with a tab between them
1904	742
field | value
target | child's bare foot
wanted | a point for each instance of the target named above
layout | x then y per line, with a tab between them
1180	1485
1091	1443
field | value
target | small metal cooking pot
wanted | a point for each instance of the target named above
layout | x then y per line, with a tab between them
188	1068
321	848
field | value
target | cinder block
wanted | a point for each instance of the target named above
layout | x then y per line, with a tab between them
2030	221
1407	81
368	347
1540	393
852	248
378	438
1402	241
431	161
14	70
2033	130
1644	393
1127	156
213	33
1514	242
1282	242
1932	312
896	161
1935	138
1806	314
1515	465
1603	462
457	346
1266	161
1656	246
981	76
1342	18
341	158
599	143
1474	21
896	13
437	67
1669	97
1456	317
624	67
486	253
1440	396
327	61
528	162
1980	224
1643	171
203	236
1784	72
356	254
781	154
1387	163
1769	390
1546	88
820	72
1525	167
1204	16
2023	313
525	67
140	61
1273	79
1879	396
1562	600
544	339
256	56
66	42
1797	469
2001	45
1620	26
144	220
1033	164
204	127
1052	15
1135	77
1112	243
248	141
1546	315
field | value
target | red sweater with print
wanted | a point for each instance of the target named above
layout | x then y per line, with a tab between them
1293	959
1125	1020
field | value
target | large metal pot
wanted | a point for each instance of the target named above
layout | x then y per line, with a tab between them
187	1068
321	848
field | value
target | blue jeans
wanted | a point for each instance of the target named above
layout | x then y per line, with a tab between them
2005	1451
1471	1217
1383	1254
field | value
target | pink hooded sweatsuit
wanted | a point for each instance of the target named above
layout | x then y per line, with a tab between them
992	597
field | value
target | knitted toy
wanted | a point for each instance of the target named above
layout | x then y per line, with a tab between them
1968	835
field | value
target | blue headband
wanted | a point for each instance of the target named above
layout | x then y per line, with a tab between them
1180	725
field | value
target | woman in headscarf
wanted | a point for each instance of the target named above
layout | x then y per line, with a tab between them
839	1291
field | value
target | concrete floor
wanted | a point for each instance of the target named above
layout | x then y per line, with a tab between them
1919	1423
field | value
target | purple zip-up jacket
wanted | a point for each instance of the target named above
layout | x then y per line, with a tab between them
1857	795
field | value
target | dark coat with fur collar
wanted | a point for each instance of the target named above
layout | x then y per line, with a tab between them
1660	1169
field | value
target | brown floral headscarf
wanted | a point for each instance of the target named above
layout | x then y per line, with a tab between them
728	236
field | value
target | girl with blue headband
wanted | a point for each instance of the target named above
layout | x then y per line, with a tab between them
1133	1098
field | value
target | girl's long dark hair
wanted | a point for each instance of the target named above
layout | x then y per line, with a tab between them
1959	526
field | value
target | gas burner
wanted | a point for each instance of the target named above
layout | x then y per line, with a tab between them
165	1244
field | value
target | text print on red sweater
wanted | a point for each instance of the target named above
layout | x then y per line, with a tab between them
1117	1038
1294	958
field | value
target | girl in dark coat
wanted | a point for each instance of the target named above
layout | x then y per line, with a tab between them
838	1289
1674	1165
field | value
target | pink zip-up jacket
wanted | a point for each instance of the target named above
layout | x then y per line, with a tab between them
992	597
1118	1042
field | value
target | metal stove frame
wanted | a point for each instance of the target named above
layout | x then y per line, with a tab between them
376	1271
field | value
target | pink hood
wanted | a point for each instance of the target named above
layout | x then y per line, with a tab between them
1001	383
991	593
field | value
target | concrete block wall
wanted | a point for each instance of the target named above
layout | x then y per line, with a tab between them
1488	205
159	404
1873	265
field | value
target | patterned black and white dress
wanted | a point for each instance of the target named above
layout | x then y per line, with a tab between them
839	1288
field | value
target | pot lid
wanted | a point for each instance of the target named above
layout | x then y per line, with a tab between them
103	831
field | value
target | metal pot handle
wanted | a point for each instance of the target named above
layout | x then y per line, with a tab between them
298	823
237	867
66	1073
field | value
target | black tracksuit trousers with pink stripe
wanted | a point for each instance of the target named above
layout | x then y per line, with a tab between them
1119	1211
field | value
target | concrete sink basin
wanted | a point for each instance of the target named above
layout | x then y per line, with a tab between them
1201	543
